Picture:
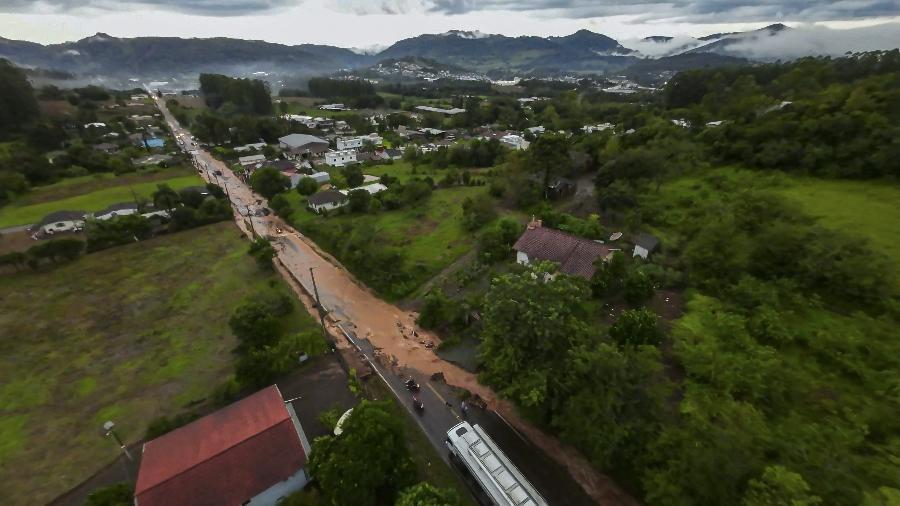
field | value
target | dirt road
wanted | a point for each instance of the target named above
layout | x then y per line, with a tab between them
390	329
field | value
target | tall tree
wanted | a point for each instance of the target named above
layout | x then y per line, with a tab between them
368	464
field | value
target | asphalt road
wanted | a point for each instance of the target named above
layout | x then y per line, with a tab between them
357	310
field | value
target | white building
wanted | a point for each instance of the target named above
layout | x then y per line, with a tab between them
340	158
683	123
589	129
515	141
448	112
344	143
247	161
326	201
373	189
247	147
321	177
116	210
62	221
332	107
537	130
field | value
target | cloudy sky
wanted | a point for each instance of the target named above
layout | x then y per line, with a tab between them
367	23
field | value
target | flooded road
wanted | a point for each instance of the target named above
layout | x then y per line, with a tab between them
394	333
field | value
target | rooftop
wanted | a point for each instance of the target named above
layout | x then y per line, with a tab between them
226	457
326	197
575	255
297	140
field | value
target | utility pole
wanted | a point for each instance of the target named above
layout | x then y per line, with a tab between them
321	309
108	426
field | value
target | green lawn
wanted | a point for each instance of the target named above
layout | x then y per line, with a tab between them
23	212
867	208
431	236
126	334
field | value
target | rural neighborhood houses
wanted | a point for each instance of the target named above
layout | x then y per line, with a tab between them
302	144
575	255
252	452
340	158
326	200
62	221
644	244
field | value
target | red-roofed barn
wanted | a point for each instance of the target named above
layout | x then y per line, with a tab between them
252	452
575	255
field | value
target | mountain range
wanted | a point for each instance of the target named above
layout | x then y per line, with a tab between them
141	58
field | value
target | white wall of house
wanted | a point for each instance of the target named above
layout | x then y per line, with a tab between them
114	214
328	206
280	490
640	252
340	158
344	143
522	258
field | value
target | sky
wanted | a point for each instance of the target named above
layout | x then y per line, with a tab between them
378	23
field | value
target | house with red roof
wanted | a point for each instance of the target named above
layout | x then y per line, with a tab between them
252	452
575	255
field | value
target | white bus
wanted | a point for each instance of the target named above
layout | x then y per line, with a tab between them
498	477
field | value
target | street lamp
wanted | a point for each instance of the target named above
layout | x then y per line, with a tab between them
108	426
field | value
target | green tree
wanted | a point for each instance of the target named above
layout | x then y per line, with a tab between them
281	205
263	252
635	327
638	287
353	174
165	197
18	105
426	494
495	244
307	186
120	494
478	211
437	310
609	275
531	320
359	201
779	486
268	182
255	325
368	464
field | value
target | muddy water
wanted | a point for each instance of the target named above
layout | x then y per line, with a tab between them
392	331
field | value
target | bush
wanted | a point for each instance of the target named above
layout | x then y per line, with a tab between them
164	424
120	494
635	327
307	186
263	252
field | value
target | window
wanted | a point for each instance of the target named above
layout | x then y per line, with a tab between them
460	431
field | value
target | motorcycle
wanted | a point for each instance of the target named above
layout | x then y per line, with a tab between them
412	385
418	405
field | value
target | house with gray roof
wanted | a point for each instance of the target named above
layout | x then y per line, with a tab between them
644	244
326	200
302	144
62	221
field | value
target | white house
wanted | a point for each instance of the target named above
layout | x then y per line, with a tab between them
95	125
537	130
515	141
448	112
345	143
340	158
247	147
332	107
589	129
62	221
644	244
116	210
321	177
683	123
371	188
247	161
326	201
252	452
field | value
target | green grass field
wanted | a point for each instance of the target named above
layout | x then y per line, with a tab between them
431	236
866	208
114	190
126	334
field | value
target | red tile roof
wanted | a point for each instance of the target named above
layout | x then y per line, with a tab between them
224	458
575	255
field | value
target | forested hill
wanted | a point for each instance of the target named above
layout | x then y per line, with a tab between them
820	116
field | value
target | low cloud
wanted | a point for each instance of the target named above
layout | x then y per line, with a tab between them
692	11
807	40
654	49
200	7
